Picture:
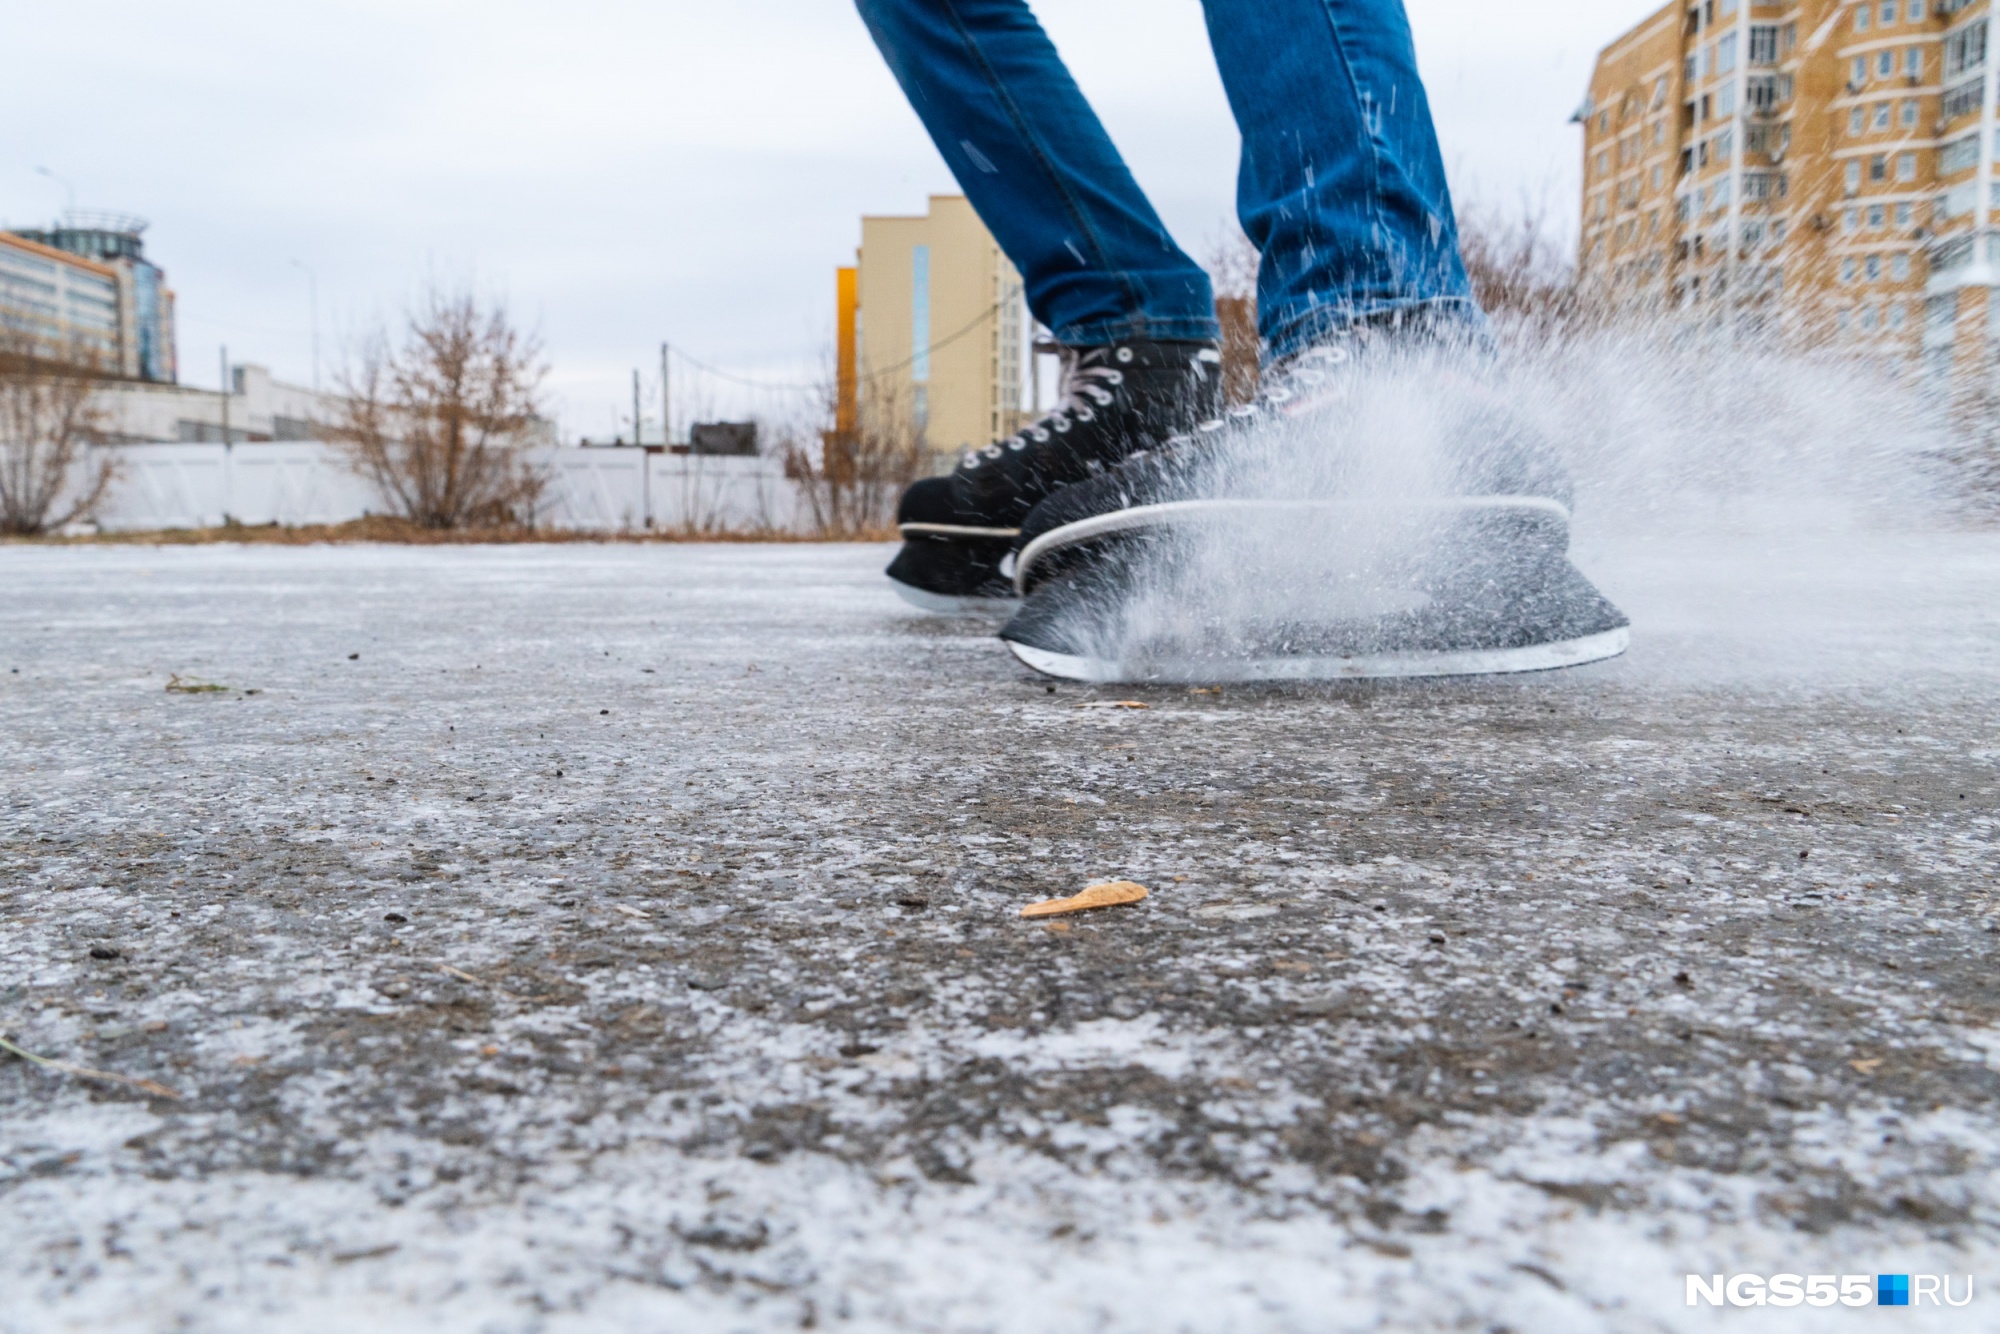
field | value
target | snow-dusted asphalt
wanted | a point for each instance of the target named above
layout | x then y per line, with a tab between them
627	939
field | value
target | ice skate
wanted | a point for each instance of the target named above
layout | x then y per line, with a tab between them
1184	564
1115	400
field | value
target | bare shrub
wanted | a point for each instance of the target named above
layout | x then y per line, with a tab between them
1232	269
851	477
1522	271
441	423
50	416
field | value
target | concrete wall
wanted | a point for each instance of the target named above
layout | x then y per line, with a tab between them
594	490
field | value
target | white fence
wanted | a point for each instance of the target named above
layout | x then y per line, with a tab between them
597	490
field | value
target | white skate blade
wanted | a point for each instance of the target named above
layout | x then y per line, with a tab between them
944	604
1199	513
1380	666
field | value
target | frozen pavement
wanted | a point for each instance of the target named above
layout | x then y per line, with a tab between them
626	938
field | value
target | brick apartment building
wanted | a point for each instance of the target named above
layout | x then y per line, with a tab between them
1825	167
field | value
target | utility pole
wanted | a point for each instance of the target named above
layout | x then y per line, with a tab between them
226	387
638	434
666	398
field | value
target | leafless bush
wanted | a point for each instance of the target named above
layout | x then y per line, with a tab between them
49	418
1232	269
851	478
1522	271
440	423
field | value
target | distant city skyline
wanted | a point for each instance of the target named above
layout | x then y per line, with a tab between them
629	173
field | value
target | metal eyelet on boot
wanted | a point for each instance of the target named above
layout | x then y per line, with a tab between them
1061	425
991	451
1124	354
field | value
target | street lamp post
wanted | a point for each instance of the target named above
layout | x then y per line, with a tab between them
68	189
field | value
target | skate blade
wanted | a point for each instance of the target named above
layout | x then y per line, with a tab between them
1210	514
1207	670
945	604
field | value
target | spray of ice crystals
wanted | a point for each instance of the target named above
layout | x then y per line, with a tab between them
1730	480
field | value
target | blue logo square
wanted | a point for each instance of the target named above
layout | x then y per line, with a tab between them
1892	1289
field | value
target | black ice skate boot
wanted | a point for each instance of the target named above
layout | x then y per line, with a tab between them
1115	400
1219	557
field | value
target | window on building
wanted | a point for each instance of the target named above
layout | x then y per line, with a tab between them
1658	179
1860	71
1870	320
1881	115
1913	62
1965	49
1878	167
1778	232
1888	12
1916	11
1906	167
1863	13
1959	154
1963	100
1857	121
1896	317
1847	269
1910	114
1659	133
1873	268
1725	54
1899	268
1603	164
1756	139
1753	233
1885	63
1877	217
1687	70
1854	177
1725	144
1604	122
1903	212
1850	220
1764	44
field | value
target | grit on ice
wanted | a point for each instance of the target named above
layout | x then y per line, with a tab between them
629	937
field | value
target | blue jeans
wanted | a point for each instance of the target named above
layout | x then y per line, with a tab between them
1341	187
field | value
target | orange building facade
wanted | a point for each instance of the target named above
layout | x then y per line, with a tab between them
1823	168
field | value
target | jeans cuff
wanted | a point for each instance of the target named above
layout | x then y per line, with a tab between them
1184	329
1317	325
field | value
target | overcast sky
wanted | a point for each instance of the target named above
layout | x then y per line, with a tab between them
628	172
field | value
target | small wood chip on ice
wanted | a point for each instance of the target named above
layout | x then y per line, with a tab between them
1107	895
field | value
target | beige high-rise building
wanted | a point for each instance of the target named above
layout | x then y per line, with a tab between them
1823	167
938	335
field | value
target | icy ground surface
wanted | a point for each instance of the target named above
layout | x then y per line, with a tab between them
627	939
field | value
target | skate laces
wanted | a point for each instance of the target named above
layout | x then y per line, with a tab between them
1083	390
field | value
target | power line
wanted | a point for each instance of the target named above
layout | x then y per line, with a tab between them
904	364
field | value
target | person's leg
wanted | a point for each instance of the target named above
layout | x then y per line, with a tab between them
1040	171
1341	188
